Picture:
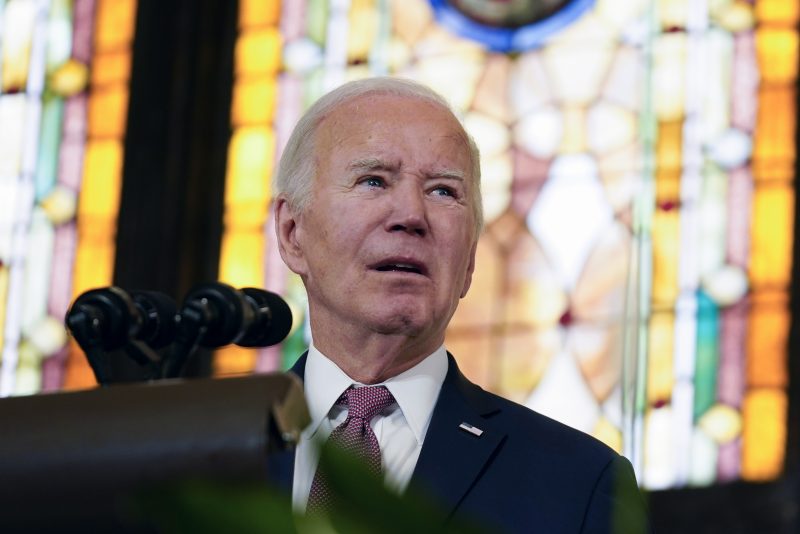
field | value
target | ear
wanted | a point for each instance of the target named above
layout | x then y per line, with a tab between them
470	269
286	228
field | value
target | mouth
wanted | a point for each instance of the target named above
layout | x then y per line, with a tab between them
401	266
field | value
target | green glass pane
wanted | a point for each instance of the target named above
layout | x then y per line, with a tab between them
707	356
49	141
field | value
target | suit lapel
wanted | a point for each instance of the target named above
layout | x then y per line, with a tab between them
280	464
452	458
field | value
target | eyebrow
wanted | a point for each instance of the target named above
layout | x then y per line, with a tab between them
376	164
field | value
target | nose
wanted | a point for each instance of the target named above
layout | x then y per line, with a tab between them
407	212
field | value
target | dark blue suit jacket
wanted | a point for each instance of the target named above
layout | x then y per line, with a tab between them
524	473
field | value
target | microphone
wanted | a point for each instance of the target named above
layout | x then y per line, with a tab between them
113	317
249	317
106	319
216	314
272	319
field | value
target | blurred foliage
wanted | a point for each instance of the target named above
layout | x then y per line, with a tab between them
363	505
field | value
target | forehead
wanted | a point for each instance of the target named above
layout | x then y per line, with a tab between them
398	128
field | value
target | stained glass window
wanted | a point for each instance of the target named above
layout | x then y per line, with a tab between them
638	189
60	165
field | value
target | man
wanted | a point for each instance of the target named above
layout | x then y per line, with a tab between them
378	210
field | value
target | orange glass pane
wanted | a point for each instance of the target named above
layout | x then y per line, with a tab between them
669	146
101	180
777	11
234	360
258	52
253	101
242	258
255	13
772	235
77	374
660	375
114	24
764	437
110	67
767	340
774	148
473	351
250	158
108	112
777	54
666	247
476	308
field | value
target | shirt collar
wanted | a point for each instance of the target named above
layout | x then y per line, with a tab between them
415	389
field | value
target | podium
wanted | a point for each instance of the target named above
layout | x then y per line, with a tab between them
68	459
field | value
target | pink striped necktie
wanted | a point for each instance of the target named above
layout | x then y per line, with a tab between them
354	436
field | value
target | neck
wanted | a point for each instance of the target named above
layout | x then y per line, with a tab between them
371	359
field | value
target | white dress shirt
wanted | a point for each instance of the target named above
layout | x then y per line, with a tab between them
400	428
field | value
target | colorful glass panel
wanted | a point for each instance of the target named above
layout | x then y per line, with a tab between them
639	198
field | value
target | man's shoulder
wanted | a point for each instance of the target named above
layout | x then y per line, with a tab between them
531	431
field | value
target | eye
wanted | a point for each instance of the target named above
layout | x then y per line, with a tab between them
443	191
373	181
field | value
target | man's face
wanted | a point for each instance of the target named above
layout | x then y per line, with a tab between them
387	241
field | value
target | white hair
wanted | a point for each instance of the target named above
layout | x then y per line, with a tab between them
296	169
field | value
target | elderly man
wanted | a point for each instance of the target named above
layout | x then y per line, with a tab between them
378	210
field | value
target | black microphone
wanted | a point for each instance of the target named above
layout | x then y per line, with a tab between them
272	319
105	319
249	317
216	314
113	317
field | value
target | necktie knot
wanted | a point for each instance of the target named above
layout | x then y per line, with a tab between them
354	436
366	402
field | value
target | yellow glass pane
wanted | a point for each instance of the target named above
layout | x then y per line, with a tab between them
253	101
242	258
108	111
777	54
666	247
245	215
114	24
669	75
777	11
234	360
251	155
254	13
110	67
17	35
774	150
101	180
77	373
767	340
94	262
3	299
606	432
660	375
772	235
764	440
258	52
527	353
574	137
364	22
673	13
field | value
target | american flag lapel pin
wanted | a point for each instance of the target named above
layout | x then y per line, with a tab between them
475	431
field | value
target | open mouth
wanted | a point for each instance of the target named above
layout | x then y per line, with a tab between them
400	266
